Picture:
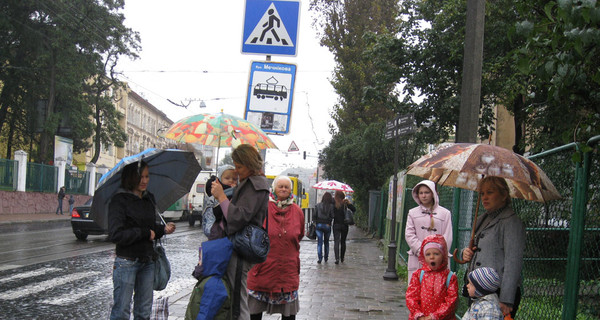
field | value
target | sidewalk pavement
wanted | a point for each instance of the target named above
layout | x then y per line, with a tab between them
354	289
351	290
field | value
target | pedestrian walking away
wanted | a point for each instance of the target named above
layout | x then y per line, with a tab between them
323	216
273	284
132	227
61	196
340	228
426	219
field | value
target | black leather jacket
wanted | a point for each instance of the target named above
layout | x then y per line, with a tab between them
130	219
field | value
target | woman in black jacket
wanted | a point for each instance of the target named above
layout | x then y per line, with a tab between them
340	228
322	216
132	227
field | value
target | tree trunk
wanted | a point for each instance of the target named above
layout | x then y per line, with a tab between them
518	116
49	126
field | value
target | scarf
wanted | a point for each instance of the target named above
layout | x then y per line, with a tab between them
281	203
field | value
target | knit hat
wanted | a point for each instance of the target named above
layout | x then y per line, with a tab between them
485	280
222	169
434	245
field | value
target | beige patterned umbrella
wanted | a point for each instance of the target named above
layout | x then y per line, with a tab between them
462	165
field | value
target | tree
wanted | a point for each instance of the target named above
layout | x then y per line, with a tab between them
560	70
52	51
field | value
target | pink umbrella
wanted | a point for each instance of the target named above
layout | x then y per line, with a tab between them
333	185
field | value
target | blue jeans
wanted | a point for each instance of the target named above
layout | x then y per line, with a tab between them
129	277
323	233
59	206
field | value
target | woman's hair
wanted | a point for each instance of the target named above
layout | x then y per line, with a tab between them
339	198
327	198
497	183
132	174
280	178
248	156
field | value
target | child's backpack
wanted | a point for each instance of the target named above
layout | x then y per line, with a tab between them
215	305
447	280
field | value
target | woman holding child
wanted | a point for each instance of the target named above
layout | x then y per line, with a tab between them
499	242
248	205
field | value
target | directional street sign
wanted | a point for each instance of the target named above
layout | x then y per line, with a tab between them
400	126
270	95
271	27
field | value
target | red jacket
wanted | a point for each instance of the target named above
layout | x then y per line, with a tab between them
281	271
431	296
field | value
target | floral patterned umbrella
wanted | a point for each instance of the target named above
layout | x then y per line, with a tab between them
218	130
333	185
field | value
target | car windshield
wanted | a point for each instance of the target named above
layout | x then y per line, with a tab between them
89	202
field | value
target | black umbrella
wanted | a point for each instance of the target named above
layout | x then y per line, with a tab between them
172	174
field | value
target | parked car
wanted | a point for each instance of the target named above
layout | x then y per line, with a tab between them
82	222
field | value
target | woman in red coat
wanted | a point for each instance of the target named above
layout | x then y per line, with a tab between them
273	284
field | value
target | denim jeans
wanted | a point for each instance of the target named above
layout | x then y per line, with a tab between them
323	233
59	208
129	277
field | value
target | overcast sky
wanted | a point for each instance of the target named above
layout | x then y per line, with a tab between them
191	50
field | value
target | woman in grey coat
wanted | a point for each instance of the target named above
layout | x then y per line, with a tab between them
499	242
249	205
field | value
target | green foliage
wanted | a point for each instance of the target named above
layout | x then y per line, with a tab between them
50	52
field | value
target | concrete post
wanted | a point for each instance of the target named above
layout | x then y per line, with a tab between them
21	158
62	165
91	169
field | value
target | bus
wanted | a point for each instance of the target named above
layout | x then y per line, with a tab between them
301	196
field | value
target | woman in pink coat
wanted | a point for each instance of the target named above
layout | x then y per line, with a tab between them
426	219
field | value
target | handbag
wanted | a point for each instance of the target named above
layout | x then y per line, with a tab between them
160	309
252	243
348	216
312	231
162	266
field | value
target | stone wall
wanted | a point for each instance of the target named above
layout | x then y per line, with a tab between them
15	202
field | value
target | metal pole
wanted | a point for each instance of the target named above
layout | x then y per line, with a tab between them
390	273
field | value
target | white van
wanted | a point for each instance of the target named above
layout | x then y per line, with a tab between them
196	197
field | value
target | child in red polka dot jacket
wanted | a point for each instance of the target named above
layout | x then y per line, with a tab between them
432	293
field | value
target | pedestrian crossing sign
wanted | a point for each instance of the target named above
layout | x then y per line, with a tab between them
271	27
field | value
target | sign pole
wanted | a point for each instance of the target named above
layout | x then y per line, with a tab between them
390	273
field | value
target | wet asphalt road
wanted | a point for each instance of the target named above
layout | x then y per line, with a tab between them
45	273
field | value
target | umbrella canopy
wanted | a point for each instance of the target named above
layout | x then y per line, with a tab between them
218	130
172	174
462	165
333	185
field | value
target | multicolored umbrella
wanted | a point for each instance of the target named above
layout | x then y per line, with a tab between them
333	185
218	130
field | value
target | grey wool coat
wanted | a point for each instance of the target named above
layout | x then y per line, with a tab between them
500	244
249	204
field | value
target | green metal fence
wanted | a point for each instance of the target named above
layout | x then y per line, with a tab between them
41	177
561	270
8	175
77	182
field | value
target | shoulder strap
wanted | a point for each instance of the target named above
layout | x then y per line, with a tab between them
448	280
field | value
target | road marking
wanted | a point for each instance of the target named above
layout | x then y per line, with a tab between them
27	290
29	274
70	298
